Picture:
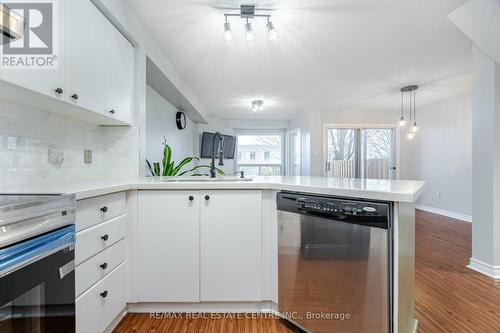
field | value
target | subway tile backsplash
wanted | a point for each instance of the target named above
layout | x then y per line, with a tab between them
27	135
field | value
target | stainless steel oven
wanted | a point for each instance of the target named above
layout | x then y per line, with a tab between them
37	281
335	263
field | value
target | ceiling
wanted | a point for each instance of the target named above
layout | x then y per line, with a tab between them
332	54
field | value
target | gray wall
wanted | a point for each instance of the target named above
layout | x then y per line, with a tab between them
441	154
160	122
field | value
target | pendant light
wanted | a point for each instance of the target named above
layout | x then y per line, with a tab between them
413	128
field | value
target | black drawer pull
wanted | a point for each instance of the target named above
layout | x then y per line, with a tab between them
74	96
191	198
59	91
105	237
104	294
104	209
207	197
104	266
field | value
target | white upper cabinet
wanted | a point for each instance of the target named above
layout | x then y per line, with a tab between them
119	61
43	80
85	44
231	245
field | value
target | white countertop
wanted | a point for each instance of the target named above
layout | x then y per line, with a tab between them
378	189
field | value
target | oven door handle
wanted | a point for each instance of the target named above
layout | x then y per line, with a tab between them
20	255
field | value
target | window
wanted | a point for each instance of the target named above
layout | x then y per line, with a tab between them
260	155
360	153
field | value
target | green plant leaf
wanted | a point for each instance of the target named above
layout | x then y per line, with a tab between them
156	167
200	174
194	168
150	168
169	169
183	163
167	155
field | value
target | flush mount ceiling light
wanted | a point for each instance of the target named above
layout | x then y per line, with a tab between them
247	12
413	128
257	105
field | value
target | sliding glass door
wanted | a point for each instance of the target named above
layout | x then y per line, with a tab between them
360	152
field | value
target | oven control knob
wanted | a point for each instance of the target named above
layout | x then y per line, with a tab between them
105	237
104	266
104	294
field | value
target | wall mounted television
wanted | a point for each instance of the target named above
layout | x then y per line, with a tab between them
228	145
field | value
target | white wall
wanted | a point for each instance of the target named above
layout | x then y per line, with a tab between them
441	154
160	123
27	134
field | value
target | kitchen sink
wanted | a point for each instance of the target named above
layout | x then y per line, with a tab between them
205	179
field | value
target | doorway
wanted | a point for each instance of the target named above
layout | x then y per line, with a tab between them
361	152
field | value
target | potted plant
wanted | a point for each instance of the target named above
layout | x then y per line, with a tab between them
168	167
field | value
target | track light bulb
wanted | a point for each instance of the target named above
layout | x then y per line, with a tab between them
273	33
228	34
249	34
257	105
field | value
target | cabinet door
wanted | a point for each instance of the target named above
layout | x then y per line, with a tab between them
168	246
231	245
85	47
44	80
119	74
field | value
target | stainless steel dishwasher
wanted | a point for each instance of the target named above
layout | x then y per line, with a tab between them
335	263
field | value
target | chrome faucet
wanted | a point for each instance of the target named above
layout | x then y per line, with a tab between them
220	152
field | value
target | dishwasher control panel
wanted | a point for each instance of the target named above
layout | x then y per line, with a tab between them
345	209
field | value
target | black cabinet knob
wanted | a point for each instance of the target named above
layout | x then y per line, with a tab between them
104	294
104	266
74	96
105	237
207	197
59	91
191	198
104	209
112	111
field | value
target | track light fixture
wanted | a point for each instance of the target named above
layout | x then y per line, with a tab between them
413	129
247	12
257	105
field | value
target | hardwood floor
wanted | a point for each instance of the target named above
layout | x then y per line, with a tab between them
449	296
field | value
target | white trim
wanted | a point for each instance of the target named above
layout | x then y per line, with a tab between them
203	307
439	211
415	326
484	268
111	327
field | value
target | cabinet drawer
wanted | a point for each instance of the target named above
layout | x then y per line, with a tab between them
93	240
92	211
94	269
101	304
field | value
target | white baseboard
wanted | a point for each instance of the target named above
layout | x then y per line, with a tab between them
484	268
415	326
204	307
453	215
116	321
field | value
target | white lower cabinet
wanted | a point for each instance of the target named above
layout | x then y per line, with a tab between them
231	245
200	246
101	275
168	245
101	304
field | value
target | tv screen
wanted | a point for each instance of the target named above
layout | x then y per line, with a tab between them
228	145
